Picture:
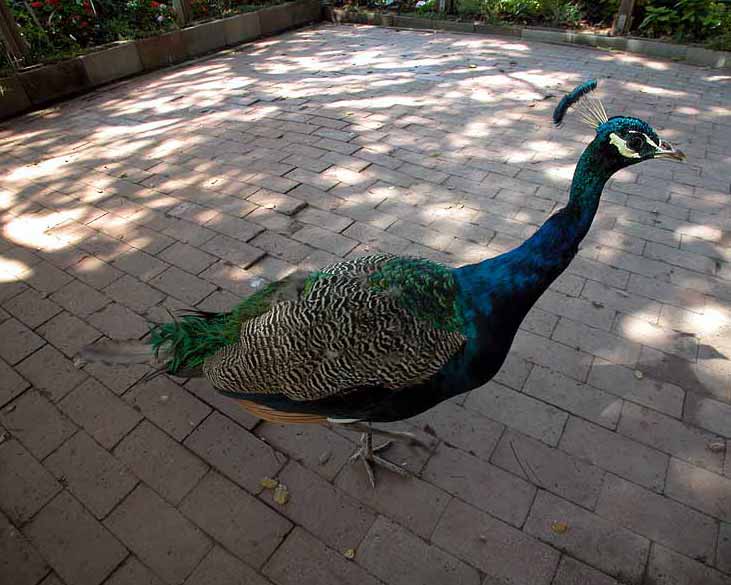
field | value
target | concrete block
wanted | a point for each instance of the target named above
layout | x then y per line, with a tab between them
305	11
111	64
274	19
241	28
497	29
619	43
708	58
414	22
204	38
545	35
13	99
161	51
656	49
450	25
51	82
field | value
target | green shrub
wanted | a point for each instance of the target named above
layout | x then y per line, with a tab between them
686	20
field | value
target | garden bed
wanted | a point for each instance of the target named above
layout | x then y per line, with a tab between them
649	47
43	84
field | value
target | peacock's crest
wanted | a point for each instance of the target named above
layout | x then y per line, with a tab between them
589	107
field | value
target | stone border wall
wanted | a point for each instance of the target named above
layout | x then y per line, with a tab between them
692	55
43	84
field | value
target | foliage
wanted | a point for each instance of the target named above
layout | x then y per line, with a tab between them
203	9
685	20
552	12
598	12
60	28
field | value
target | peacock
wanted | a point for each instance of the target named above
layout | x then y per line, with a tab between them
382	338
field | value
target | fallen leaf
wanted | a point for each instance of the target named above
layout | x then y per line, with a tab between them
268	483
281	494
349	554
559	527
639	375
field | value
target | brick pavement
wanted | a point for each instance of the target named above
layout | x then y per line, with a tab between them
598	454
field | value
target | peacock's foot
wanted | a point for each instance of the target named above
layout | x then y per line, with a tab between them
403	436
367	453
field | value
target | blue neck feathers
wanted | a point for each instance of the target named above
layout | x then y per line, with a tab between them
520	276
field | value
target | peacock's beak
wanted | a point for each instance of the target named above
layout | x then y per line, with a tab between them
667	150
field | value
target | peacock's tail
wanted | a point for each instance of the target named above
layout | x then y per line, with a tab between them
121	353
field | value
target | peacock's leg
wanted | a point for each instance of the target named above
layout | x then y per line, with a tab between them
367	454
407	437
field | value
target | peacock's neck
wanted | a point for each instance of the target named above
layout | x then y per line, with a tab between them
523	274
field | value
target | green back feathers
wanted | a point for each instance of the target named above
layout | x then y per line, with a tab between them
424	288
192	338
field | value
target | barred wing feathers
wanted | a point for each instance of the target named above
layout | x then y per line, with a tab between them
377	321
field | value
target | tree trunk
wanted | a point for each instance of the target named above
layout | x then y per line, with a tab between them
10	33
623	20
183	11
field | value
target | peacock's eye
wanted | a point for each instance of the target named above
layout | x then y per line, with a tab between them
636	142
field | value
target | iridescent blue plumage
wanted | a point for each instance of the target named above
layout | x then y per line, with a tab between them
476	309
571	98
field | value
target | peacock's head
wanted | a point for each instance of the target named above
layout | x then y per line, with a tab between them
622	140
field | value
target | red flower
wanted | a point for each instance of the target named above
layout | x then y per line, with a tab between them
155	4
84	24
37	4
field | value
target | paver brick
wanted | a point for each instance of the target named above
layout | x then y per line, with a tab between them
68	333
670	568
323	239
244	525
549	468
234	452
80	299
304	560
91	474
709	414
103	415
63	530
462	427
328	513
20	563
168	405
17	341
158	534
399	558
183	286
133	572
723	552
637	387
700	489
231	408
518	411
36	423
495	548
281	247
671	436
469	478
315	446
658	518
26	486
166	466
31	308
134	294
573	572
615	453
220	568
577	398
592	539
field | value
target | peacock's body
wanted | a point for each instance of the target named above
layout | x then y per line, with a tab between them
383	338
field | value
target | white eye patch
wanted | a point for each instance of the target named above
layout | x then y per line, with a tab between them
622	147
